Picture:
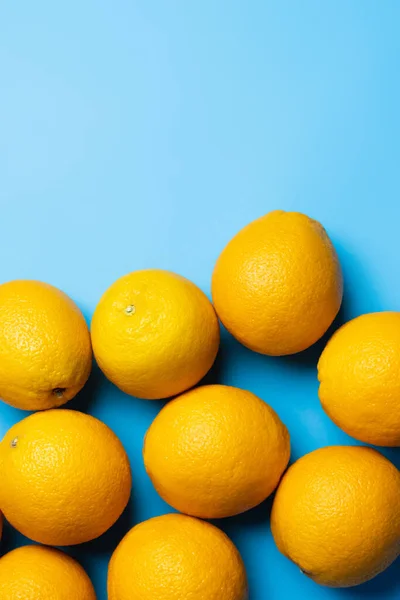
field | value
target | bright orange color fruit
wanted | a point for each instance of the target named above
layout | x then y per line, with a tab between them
45	349
336	514
277	285
216	451
40	573
65	477
359	374
155	334
176	557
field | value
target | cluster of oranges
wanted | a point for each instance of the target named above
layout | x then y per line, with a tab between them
213	451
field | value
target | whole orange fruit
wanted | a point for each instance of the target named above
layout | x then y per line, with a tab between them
65	477
277	286
359	374
45	350
175	556
155	334
216	451
40	573
336	515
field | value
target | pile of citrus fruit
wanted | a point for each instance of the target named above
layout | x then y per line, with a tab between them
212	451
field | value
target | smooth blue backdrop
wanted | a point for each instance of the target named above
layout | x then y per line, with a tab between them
146	133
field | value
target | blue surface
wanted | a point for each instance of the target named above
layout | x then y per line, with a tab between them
146	134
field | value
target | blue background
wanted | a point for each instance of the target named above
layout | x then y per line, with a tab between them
146	133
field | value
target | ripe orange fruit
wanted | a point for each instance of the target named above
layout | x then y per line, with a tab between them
175	556
155	334
277	286
216	451
65	477
45	351
359	372
336	515
40	573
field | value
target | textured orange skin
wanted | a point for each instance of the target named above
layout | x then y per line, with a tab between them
168	341
175	557
277	285
65	477
44	346
336	514
359	374
40	573
216	451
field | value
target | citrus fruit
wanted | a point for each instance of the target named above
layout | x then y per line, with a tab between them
216	451
277	285
40	573
155	334
45	350
176	557
359	374
336	514
65	477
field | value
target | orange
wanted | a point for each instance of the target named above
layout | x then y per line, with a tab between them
175	557
45	351
336	515
277	286
359	371
65	477
40	573
155	334
216	451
